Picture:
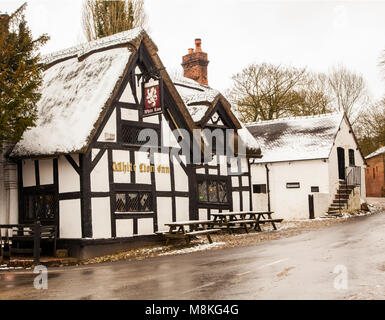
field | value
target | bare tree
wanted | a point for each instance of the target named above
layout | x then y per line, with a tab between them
101	18
265	91
370	127
348	91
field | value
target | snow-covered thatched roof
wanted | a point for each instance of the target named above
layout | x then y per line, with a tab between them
299	138
197	97
376	153
76	87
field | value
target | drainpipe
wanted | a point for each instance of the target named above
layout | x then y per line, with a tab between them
268	188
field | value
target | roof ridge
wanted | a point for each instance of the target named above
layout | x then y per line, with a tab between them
378	151
86	47
324	115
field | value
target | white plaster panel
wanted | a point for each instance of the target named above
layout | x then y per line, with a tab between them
164	205
213	171
168	138
222	165
246	200
180	176
129	114
141	158
245	181
200	171
94	153
46	171
69	180
202	214
127	95
162	179
109	131
145	226
121	156
124	228
236	203
70	219
235	181
152	119
28	167
99	176
182	209
101	218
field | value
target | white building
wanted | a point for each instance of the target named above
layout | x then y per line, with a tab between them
305	156
81	167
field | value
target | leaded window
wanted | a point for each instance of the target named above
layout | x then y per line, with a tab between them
133	202
130	135
212	191
39	207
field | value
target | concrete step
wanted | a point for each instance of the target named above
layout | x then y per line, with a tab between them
340	201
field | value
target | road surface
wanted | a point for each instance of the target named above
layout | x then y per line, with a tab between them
300	267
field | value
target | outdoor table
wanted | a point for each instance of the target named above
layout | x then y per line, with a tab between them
243	218
178	230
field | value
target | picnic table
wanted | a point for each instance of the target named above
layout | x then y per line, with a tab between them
187	229
241	219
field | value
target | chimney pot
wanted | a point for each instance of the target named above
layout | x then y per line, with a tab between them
198	45
195	64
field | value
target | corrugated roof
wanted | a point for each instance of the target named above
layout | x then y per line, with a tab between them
376	153
299	138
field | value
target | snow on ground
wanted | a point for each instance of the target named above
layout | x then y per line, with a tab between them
199	247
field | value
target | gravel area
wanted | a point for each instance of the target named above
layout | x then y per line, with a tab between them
224	240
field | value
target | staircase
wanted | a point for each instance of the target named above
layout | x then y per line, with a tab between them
341	199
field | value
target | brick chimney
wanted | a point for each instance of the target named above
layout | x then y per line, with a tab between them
195	63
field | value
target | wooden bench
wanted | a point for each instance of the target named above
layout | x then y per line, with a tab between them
196	227
23	234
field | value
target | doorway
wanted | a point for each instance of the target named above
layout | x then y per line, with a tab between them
341	163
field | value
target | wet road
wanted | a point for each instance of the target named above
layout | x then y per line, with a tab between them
299	267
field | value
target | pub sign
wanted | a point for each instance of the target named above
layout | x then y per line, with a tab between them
152	98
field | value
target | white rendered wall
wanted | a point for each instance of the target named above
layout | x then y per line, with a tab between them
124	228
162	179
182	208
46	171
99	175
101	218
69	180
109	131
164	205
28	168
291	203
180	176
142	158
145	226
345	139
121	156
70	219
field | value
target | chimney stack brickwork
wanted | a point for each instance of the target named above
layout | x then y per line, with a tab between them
195	64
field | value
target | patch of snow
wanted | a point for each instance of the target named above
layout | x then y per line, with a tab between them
87	47
200	247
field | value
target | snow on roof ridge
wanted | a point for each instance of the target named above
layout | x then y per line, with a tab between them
86	47
179	79
376	153
337	113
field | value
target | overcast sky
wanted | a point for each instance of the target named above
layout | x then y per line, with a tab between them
317	35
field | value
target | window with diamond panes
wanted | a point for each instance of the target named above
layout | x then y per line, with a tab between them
130	135
133	202
39	207
213	191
